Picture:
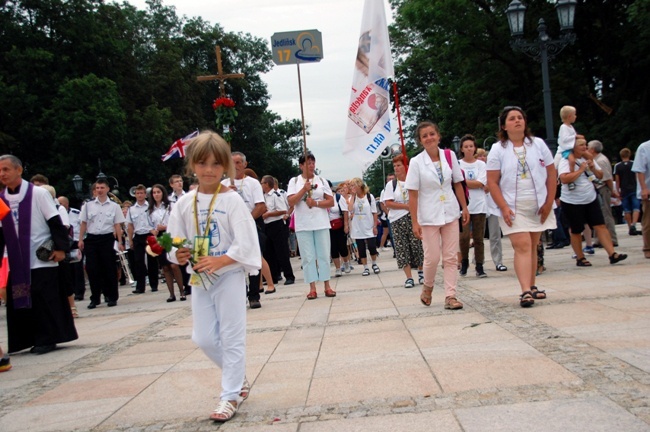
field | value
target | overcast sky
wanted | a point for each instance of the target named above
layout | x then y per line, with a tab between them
325	85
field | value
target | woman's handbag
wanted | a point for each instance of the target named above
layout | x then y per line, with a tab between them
292	222
336	224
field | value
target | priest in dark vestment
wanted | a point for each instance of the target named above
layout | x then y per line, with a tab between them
38	313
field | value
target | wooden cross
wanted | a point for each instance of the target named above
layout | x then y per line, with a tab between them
221	77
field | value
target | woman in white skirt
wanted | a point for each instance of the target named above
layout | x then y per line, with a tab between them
522	180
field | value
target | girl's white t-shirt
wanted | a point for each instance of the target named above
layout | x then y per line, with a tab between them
232	229
363	221
476	171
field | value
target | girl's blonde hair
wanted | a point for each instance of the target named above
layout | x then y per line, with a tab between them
209	143
566	110
360	184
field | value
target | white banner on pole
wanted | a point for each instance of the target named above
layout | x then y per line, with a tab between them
369	126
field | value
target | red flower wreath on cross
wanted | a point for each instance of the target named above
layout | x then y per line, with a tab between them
225	115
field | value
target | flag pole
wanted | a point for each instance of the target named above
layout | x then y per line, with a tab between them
399	122
302	113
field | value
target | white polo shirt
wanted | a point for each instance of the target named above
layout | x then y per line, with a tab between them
100	217
138	216
274	202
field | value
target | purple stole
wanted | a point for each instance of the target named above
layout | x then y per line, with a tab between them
18	249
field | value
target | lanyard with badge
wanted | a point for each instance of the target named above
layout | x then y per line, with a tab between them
521	161
404	192
438	167
201	245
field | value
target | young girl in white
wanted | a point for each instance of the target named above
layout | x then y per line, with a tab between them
363	225
476	178
225	248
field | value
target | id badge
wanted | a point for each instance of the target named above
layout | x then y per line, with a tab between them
195	280
200	247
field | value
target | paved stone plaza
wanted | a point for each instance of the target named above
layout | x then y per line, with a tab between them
371	359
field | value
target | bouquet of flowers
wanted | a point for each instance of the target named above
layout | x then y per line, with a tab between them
308	194
165	243
225	113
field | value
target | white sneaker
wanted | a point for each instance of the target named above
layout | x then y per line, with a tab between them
385	248
347	269
338	273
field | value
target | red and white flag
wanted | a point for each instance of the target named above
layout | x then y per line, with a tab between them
177	150
369	127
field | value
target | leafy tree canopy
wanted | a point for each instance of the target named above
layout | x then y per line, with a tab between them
84	81
455	67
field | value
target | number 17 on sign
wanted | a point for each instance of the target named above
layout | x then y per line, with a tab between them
284	55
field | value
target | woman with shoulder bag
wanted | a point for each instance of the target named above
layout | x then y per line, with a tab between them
339	228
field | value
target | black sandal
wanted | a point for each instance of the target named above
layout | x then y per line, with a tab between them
582	262
526	299
183	298
616	257
537	294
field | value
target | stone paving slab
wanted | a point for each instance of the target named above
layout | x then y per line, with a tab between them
371	359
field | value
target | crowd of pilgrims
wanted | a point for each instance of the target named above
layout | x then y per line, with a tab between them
234	229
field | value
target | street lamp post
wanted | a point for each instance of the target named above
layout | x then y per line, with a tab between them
78	184
543	49
387	155
456	144
492	138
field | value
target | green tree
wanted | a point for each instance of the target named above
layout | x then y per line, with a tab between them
84	80
455	67
86	119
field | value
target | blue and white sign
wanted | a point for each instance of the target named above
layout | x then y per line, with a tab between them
304	46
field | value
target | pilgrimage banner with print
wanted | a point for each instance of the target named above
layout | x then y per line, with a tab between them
369	124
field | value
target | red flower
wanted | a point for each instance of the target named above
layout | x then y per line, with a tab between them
223	101
154	246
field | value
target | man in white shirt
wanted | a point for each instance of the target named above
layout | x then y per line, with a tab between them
277	233
605	187
251	192
176	183
641	167
102	219
139	227
78	277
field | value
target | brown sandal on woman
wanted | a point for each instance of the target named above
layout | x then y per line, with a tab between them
425	297
312	295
